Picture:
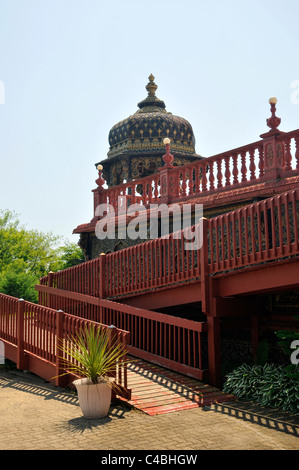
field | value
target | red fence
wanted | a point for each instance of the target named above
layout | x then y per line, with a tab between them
83	278
32	335
257	233
153	264
164	339
236	168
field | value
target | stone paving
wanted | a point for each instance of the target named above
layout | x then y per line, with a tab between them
36	415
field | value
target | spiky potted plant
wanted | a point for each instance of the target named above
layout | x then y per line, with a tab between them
93	356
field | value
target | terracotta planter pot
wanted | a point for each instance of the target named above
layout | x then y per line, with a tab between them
94	399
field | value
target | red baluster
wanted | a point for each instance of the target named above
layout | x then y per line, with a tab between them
156	190
252	164
243	168
204	169
219	173
211	175
144	193
235	169
227	171
190	175
133	194
150	192
288	155
184	184
197	178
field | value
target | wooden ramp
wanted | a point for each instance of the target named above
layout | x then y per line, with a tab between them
156	390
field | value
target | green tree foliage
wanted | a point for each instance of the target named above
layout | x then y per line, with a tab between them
70	255
19	284
28	255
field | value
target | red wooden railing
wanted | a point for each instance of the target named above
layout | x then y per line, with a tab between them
140	191
32	335
240	167
165	339
153	264
259	233
83	278
256	233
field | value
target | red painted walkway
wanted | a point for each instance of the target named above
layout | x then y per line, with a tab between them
156	390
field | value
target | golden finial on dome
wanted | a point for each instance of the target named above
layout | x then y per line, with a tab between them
151	86
151	103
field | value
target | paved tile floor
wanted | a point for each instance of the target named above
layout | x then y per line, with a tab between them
35	415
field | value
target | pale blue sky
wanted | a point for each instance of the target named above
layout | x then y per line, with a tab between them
73	68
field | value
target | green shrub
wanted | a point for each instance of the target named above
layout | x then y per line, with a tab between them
269	385
19	284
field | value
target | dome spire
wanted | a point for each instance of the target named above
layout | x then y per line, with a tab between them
151	87
151	103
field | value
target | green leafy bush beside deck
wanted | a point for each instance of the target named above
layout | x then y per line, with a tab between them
269	385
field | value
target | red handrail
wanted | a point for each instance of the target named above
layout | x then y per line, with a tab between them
256	233
173	341
36	331
235	168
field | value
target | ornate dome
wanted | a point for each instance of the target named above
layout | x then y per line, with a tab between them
143	132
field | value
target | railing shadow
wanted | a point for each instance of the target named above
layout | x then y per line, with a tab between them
269	418
29	383
161	378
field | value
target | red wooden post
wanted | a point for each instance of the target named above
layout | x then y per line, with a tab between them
214	349
204	276
50	284
21	362
99	194
165	174
274	147
59	337
209	308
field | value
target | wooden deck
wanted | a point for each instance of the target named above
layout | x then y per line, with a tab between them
156	390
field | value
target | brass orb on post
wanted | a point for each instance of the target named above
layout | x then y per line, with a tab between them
167	158
100	180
